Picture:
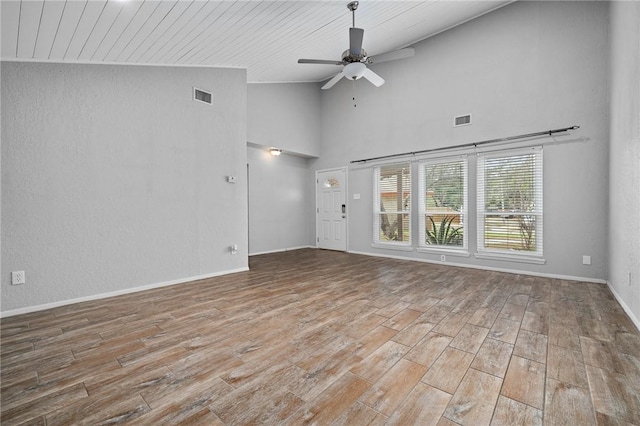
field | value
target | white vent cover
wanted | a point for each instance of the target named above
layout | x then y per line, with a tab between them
462	120
202	96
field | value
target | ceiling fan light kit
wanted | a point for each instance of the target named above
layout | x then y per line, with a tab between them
354	70
354	60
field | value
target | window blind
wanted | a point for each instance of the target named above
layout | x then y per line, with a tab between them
510	202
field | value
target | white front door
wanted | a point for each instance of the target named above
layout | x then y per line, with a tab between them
331	209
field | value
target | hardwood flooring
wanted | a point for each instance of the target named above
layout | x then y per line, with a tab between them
320	337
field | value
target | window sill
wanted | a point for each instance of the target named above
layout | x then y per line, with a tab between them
451	252
392	247
511	258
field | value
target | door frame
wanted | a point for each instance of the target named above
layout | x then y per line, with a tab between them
346	201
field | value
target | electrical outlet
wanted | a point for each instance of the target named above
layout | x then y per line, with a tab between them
17	278
234	249
443	258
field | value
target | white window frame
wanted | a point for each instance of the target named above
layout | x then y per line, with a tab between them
423	211
533	256
377	242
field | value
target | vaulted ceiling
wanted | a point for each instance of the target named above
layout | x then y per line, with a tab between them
265	37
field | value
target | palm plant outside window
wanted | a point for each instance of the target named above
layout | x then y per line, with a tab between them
443	203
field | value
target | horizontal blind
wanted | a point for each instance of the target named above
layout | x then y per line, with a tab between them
443	203
510	201
392	204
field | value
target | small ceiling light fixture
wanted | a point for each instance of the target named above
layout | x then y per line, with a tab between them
354	70
275	151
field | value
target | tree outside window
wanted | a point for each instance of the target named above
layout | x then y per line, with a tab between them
392	204
510	202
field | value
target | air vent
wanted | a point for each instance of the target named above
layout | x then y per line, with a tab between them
201	96
462	120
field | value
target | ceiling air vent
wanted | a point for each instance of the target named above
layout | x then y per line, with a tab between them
201	96
462	120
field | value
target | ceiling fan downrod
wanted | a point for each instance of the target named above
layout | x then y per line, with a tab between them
353	6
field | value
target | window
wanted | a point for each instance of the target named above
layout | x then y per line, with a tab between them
392	204
331	183
443	204
510	202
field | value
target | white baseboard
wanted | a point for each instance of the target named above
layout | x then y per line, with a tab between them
487	268
279	250
45	306
626	308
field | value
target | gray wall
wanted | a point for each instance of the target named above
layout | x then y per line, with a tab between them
624	160
113	178
281	190
285	116
527	67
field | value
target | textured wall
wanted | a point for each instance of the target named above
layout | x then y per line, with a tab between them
280	191
285	116
113	178
526	67
624	160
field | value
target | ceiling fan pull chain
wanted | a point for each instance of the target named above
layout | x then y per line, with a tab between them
354	93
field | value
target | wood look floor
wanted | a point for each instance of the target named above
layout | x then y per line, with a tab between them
320	337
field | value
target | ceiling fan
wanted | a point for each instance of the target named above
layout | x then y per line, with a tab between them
355	59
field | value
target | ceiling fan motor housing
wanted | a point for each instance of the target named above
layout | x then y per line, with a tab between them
348	58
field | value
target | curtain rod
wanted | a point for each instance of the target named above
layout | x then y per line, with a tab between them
473	144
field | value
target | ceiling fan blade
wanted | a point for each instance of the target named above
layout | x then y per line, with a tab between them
355	41
374	78
319	61
392	56
329	84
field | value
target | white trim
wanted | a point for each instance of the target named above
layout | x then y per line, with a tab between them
486	268
45	306
626	307
442	250
392	246
511	258
281	250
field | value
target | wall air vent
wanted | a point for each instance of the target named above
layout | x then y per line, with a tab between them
462	120
201	96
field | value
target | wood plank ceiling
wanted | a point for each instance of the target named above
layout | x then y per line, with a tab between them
265	37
